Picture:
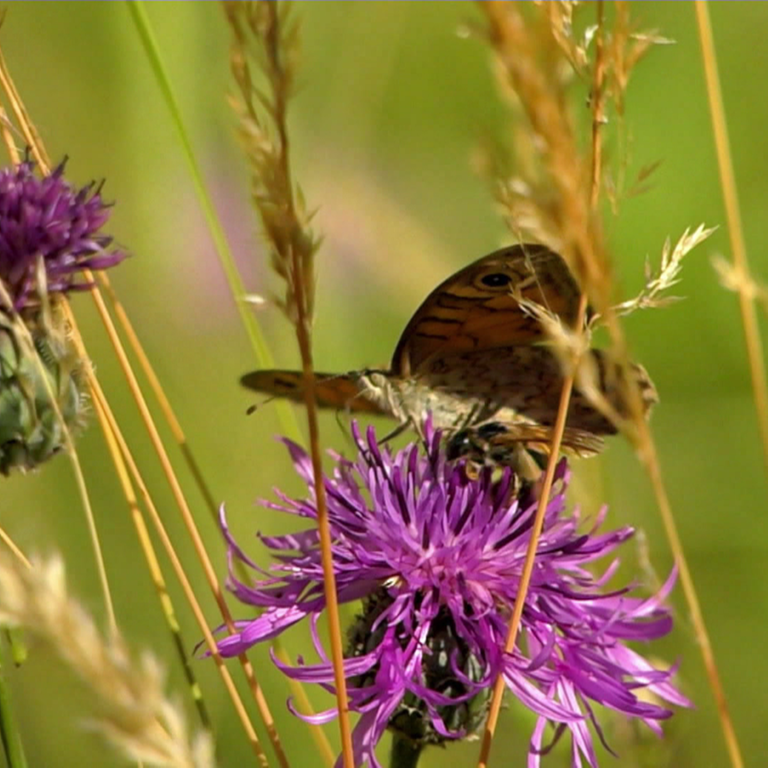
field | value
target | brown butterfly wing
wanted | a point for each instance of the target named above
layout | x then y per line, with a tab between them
576	442
527	381
332	390
474	309
498	442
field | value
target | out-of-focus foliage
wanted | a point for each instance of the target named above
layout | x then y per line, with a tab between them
391	105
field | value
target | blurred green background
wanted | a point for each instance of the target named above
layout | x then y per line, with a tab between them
392	104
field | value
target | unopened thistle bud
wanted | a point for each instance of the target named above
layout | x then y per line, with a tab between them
48	236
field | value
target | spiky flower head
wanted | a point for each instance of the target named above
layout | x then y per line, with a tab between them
45	219
436	557
49	234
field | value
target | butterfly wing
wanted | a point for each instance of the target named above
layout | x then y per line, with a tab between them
332	390
527	382
470	353
474	309
498	443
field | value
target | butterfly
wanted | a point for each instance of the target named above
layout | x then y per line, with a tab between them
471	356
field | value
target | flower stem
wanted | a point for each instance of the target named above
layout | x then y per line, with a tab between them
9	732
405	752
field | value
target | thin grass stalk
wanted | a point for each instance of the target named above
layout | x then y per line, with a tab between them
508	39
652	463
155	571
13	547
186	513
293	248
93	530
598	110
157	390
304	337
198	477
583	247
102	405
689	589
646	444
326	544
646	448
9	729
27	127
530	555
533	95
648	453
743	282
263	355
327	755
642	438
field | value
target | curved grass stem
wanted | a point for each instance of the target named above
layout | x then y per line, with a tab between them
9	729
291	242
223	250
530	555
577	219
199	479
178	568
186	513
744	282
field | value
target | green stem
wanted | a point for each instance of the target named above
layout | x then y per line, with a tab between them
9	732
17	645
405	752
144	29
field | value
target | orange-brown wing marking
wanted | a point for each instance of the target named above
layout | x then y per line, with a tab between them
331	390
538	438
474	309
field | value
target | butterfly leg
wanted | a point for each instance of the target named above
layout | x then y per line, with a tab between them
495	444
398	430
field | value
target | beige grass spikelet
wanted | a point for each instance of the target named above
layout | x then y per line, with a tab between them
135	715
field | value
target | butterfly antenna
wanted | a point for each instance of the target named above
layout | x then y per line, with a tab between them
251	409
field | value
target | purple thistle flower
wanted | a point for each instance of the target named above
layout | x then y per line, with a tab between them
436	557
45	217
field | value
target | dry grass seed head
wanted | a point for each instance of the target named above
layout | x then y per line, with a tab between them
738	280
668	273
134	714
531	61
264	33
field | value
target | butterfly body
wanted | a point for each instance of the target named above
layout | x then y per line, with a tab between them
471	356
410	399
